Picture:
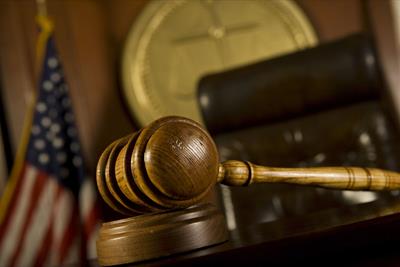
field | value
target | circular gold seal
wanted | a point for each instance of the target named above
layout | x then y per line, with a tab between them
174	43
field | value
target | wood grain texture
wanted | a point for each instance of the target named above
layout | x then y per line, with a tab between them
152	184
381	21
160	234
180	145
102	185
125	180
90	36
334	19
138	173
173	163
239	173
339	73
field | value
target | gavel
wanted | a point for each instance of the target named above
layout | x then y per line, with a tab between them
173	163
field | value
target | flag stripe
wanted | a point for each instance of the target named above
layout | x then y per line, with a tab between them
91	221
18	217
74	251
61	213
91	227
42	218
40	180
49	248
68	237
90	213
40	224
86	197
64	212
45	247
13	203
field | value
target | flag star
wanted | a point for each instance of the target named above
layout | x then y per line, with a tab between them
69	117
58	142
46	122
50	136
51	99
71	131
53	113
56	171
55	77
48	85
61	157
61	90
41	107
74	147
77	161
44	158
39	144
52	62
35	129
58	93
66	102
55	128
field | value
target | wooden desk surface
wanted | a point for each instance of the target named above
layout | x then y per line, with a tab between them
359	235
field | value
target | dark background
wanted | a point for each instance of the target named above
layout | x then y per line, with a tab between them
90	35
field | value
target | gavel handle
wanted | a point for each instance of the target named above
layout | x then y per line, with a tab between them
239	173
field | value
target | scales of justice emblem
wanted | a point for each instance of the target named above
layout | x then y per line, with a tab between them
172	44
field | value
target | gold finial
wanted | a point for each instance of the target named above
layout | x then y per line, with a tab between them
41	7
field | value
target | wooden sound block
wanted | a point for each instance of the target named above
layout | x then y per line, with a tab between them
161	234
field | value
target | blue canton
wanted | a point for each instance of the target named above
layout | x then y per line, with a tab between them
53	145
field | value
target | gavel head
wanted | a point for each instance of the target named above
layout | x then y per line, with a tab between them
171	163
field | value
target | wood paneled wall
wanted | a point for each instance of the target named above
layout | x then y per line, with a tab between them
90	35
3	165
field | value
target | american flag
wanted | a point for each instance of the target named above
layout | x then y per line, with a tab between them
50	213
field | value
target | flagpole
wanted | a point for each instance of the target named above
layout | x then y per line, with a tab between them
47	27
41	7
